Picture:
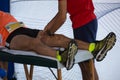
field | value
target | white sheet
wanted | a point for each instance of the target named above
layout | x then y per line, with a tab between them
82	55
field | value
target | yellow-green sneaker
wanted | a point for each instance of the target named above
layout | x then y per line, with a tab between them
103	46
68	56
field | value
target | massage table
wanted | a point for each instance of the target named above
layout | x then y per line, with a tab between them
31	58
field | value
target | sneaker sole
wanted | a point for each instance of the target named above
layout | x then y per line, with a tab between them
110	42
71	54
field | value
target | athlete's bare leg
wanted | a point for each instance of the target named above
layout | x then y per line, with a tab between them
61	41
23	42
42	44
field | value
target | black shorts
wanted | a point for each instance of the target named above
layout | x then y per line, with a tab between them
87	32
22	31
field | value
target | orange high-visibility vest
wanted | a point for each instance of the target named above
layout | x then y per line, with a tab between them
5	18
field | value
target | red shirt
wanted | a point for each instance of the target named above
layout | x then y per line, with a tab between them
5	18
81	12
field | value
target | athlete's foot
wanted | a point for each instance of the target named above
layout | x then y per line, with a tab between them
103	46
68	56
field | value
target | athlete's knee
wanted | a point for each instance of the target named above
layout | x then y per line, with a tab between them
58	36
36	43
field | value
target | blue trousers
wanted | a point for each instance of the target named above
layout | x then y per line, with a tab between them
2	73
10	73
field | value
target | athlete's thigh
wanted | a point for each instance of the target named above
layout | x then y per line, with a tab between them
21	38
21	42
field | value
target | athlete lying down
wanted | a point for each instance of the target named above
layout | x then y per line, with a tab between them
16	36
36	40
